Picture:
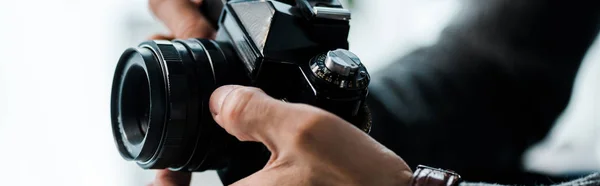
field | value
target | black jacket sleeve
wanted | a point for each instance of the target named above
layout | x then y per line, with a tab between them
494	83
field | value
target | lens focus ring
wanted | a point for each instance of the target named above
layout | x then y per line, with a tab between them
176	88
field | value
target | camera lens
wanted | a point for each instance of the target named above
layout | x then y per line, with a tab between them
159	103
135	104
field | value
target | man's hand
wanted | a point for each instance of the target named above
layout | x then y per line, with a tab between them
309	146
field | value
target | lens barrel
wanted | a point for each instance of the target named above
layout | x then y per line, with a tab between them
159	104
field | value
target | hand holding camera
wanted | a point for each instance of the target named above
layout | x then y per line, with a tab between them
292	52
308	146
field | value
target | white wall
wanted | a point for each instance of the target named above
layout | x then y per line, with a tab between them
55	68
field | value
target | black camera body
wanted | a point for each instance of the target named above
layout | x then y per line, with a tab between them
276	43
295	51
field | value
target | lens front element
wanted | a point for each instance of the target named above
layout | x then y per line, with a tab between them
135	104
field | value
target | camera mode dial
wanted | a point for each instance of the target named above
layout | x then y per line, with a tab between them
341	68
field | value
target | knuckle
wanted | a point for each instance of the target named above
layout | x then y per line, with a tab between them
310	124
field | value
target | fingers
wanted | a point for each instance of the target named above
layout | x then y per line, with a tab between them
251	115
183	18
197	2
162	37
170	178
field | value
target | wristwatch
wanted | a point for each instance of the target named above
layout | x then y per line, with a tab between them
428	176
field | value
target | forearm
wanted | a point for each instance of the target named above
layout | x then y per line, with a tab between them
494	83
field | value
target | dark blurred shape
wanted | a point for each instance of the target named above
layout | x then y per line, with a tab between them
492	86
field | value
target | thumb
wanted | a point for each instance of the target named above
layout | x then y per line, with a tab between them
251	115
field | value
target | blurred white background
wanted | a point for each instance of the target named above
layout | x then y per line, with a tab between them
57	59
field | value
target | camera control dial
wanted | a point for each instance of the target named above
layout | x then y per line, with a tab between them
341	68
342	62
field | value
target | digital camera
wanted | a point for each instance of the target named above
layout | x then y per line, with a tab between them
296	51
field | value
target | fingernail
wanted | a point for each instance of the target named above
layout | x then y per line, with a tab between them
218	97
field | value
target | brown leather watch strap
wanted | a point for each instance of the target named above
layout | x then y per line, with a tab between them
428	176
